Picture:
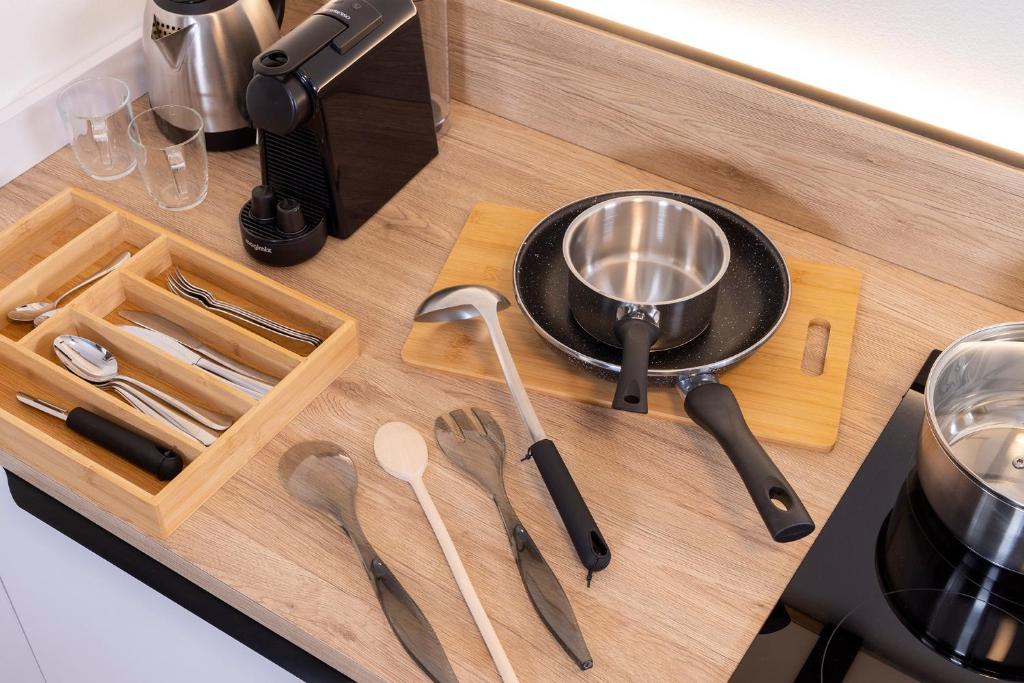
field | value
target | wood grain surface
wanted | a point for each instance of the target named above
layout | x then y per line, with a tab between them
950	214
781	402
694	573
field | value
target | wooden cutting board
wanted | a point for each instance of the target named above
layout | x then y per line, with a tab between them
782	401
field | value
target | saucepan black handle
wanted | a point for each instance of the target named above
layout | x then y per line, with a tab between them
637	335
135	448
714	408
586	537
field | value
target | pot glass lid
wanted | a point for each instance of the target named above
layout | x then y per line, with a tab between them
975	399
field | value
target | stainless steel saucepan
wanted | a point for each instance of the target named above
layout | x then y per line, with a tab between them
751	303
971	455
643	274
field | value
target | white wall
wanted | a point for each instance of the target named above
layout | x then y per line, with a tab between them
957	64
51	37
57	42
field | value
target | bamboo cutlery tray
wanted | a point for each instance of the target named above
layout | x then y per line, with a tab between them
75	234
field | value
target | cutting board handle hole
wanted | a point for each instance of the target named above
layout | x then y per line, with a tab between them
815	347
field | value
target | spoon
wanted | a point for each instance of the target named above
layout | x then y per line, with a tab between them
322	477
95	364
36	311
402	452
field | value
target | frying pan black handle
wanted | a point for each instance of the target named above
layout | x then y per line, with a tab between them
586	537
714	408
636	334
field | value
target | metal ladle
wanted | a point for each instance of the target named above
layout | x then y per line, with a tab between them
40	311
95	364
464	302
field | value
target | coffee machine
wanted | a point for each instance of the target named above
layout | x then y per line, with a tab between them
342	107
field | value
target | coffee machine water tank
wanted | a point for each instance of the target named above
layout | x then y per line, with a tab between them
342	106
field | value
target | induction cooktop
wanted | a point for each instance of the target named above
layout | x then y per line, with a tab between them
886	594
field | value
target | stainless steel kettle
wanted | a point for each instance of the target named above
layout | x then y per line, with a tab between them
199	53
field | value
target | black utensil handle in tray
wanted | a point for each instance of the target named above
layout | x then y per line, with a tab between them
586	537
715	410
136	449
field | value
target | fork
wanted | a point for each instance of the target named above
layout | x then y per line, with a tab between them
181	286
477	447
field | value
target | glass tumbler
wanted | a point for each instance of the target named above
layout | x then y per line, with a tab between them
96	113
433	15
171	154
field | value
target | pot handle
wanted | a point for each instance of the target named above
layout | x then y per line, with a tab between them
636	333
715	410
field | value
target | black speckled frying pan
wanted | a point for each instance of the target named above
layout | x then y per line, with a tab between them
752	301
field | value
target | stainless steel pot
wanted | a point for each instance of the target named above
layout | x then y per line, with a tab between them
643	274
971	455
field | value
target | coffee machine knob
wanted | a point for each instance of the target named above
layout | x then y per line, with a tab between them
277	105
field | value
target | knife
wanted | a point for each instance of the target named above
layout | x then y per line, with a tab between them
477	447
157	323
247	385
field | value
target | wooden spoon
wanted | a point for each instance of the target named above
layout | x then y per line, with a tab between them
402	452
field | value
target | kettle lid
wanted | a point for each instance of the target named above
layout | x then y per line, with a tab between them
193	7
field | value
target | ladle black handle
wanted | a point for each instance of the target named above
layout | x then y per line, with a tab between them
586	537
715	410
636	334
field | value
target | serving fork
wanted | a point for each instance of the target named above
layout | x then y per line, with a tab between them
476	445
181	286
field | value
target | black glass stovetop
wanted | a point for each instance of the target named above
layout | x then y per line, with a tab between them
886	594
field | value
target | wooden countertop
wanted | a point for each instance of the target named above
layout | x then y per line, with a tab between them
694	573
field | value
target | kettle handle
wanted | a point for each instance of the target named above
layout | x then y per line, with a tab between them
278	8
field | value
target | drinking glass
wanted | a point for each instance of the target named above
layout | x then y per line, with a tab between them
171	154
433	15
96	113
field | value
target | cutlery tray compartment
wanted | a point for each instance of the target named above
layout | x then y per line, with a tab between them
221	335
56	448
264	297
43	232
138	360
75	235
88	252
